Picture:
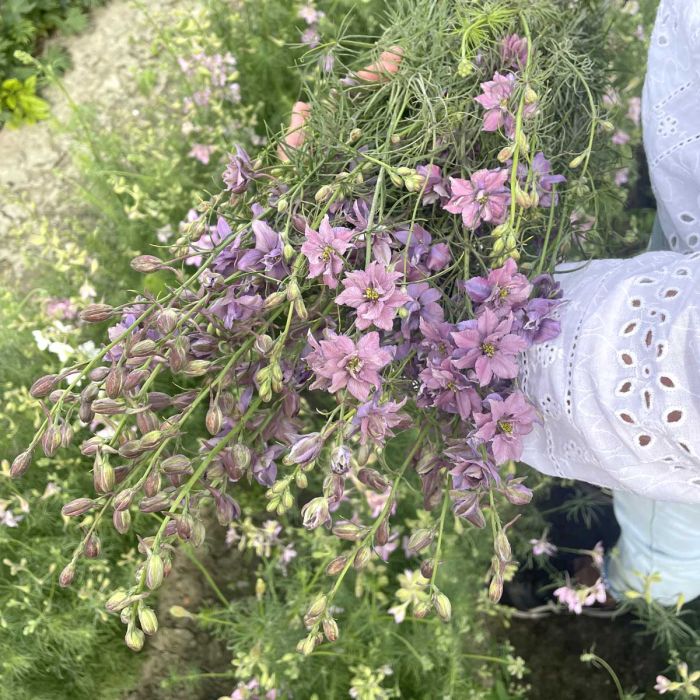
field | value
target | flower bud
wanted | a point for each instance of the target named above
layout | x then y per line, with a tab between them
152	484
114	382
148	620
135	378
274	299
336	566
67	575
530	96
502	547
346	530
167	321
382	536
419	540
577	161
323	194
199	533
426	568
505	154
108	407
146	264
354	136
362	557
121	519
214	419
178	356
78	506
102	475
147	421
301	480
442	606
143	348
263	344
176	464
330	629
305	450
373	479
155	504
496	588
117	601
315	513
96	313
92	547
422	609
197	368
306	646
20	464
51	441
154	571
85	412
66	432
98	374
318	607
44	386
134	638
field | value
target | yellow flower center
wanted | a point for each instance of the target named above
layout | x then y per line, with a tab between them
481	197
371	294
505	426
489	349
503	293
326	254
354	365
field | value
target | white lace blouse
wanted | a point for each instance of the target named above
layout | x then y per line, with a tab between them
619	390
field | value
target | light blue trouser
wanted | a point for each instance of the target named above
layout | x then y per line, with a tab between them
657	537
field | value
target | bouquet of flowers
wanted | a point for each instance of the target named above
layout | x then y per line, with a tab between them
377	269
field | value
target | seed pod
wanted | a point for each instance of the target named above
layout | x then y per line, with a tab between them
51	441
148	620
336	566
146	264
214	419
77	507
121	519
134	638
154	571
85	412
108	407
153	483
67	575
382	536
114	382
364	554
442	606
146	421
43	386
20	464
330	629
98	374
92	547
96	313
167	321
419	540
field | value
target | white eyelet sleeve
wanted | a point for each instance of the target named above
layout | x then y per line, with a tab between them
671	120
618	391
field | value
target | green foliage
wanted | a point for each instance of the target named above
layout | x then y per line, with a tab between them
24	26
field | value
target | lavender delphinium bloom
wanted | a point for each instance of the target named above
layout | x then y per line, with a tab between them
239	172
231	308
544	180
488	346
505	425
374	294
484	197
208	241
376	420
423	304
502	290
542	547
514	51
494	99
267	254
436	188
338	363
535	321
469	470
324	249
449	389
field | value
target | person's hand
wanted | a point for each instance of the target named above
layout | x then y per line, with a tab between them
386	67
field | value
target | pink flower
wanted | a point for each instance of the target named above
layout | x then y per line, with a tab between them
663	685
502	290
490	348
201	152
622	176
543	547
339	363
634	109
514	51
505	425
494	100
484	197
324	249
577	599
435	188
376	420
620	137
374	294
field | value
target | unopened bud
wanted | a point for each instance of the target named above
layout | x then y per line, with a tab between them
496	588
442	606
121	519
274	299
134	638
419	540
146	264
92	547
51	441
214	419
505	154
96	313
330	629
323	194
427	568
530	96
364	554
20	464
336	566
577	161
143	348
355	135
78	506
154	571
117	601
502	547
167	321
148	620
43	386
348	531
108	407
67	575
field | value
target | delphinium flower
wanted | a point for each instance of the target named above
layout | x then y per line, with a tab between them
325	249
375	420
505	424
239	171
543	180
338	363
202	152
513	51
267	254
436	187
542	547
423	305
494	99
503	290
374	294
488	346
484	197
576	599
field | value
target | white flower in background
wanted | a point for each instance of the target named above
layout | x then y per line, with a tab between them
87	291
7	517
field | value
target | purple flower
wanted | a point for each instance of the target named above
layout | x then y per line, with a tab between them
436	186
437	341
514	51
208	241
231	308
489	347
422	304
483	197
267	254
622	176
201	152
535	322
376	420
577	599
469	508
305	449
324	249
449	389
634	109
338	363
265	467
417	240
505	425
494	100
470	471
620	137
310	37
239	172
438	257
502	290
374	294
542	547
544	180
